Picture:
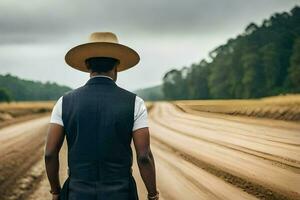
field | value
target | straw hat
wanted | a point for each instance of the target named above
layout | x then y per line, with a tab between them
102	44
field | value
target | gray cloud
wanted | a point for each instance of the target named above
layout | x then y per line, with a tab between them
36	34
34	21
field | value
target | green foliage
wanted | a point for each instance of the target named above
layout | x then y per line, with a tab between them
294	70
151	94
197	80
25	90
262	61
4	95
174	84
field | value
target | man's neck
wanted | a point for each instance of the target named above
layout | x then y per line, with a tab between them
94	74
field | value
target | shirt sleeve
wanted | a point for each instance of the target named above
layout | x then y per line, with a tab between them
140	114
56	115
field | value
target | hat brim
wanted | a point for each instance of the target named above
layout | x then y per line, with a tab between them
77	55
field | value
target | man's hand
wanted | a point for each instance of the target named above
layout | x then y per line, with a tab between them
55	196
153	197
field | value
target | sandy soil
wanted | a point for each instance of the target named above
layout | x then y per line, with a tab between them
203	156
261	159
21	152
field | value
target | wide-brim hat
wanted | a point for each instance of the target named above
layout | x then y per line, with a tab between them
102	44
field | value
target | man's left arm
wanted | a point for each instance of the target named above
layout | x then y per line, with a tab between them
54	141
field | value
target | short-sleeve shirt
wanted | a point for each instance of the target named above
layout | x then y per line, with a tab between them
140	113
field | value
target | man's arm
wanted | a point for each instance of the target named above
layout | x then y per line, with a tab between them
54	141
145	159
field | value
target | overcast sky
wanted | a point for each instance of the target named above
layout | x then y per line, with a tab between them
36	34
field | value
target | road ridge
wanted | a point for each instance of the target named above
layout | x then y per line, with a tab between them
27	184
237	118
18	160
236	135
254	189
289	165
180	166
191	117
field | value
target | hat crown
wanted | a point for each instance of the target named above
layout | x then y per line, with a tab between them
102	44
103	37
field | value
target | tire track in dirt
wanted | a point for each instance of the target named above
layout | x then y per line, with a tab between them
208	185
276	160
183	170
288	155
282	128
252	188
248	180
21	149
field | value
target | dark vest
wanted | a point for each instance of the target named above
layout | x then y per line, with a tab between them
98	120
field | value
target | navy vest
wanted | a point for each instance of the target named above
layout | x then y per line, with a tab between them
98	120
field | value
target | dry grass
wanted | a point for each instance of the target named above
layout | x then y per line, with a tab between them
149	105
278	107
13	110
18	109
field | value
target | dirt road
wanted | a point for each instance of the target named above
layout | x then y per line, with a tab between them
21	149
203	156
261	157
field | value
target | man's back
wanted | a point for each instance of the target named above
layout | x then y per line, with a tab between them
98	120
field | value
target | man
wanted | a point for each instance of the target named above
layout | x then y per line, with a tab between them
99	121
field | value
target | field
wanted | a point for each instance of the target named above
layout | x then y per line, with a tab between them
20	111
201	150
278	107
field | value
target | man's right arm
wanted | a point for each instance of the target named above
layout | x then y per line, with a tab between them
145	160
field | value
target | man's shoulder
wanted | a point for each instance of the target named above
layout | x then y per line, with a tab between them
71	92
126	91
138	99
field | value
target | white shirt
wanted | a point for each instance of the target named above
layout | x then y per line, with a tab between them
140	112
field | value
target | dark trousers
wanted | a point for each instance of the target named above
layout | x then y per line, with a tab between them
122	189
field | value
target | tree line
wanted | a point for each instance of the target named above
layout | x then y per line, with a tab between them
262	61
13	88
